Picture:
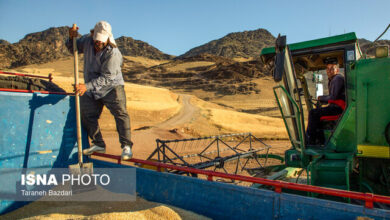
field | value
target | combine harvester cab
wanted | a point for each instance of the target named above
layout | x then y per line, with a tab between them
39	131
355	154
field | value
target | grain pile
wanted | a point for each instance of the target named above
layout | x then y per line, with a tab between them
140	209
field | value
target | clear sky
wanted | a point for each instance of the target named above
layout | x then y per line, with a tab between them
175	26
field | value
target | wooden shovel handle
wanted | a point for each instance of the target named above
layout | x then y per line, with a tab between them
77	97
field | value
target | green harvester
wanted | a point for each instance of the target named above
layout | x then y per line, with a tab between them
356	153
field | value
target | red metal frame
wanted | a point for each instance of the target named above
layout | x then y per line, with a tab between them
278	185
330	117
29	75
34	91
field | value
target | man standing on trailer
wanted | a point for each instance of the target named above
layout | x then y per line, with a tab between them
336	98
104	86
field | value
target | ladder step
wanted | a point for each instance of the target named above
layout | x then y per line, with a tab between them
296	141
290	116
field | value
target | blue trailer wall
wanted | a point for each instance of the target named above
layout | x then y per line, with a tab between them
36	131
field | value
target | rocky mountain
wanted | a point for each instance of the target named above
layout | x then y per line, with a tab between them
206	72
4	42
37	47
368	47
239	44
49	45
130	47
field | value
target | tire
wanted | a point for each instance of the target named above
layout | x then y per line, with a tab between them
26	83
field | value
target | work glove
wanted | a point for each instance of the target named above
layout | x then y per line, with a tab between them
80	89
73	32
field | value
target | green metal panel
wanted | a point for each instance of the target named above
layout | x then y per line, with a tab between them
315	43
344	137
372	100
290	160
333	173
350	82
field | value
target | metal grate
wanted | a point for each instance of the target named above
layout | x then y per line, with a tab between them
232	153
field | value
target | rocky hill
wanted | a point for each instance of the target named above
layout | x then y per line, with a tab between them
130	47
49	45
206	72
4	42
368	47
239	44
37	47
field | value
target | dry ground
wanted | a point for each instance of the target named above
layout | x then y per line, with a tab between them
150	108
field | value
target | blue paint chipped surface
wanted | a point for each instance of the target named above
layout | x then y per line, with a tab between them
25	133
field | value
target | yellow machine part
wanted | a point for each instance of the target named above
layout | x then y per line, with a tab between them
150	167
373	151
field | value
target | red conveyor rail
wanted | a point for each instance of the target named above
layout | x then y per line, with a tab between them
278	185
34	91
29	75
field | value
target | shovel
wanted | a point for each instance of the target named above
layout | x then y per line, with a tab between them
80	168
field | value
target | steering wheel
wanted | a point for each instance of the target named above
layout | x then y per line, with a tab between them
315	102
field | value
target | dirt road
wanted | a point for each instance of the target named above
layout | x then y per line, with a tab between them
145	138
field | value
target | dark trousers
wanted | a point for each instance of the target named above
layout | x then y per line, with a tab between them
91	109
313	132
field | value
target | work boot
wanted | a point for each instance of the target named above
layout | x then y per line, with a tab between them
93	149
127	154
